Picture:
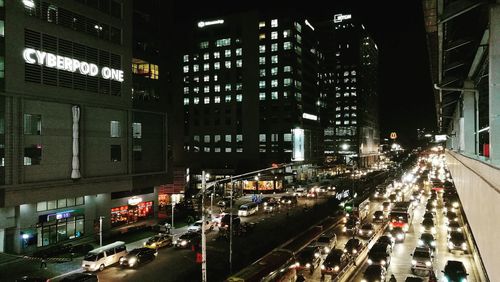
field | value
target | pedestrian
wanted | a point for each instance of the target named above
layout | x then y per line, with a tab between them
393	278
43	263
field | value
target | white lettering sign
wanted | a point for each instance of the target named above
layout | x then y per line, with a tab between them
204	24
339	18
309	116
32	56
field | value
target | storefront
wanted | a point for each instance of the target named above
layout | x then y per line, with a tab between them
57	227
262	185
135	210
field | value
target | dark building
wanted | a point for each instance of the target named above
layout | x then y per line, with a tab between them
74	145
249	94
348	80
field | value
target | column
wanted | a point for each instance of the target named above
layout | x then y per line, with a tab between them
494	83
469	119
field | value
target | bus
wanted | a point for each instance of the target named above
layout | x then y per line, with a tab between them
401	216
358	208
248	209
277	266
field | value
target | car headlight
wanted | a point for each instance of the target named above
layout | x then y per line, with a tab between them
464	246
383	262
344	229
316	255
428	263
455	204
327	250
297	264
400	236
450	245
381	217
459	229
132	261
370	232
354	251
413	262
308	265
370	261
336	268
433	243
184	243
175	242
83	264
153	245
420	242
122	259
322	267
360	232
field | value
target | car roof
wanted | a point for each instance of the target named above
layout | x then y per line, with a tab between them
455	263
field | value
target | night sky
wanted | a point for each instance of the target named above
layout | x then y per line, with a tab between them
405	88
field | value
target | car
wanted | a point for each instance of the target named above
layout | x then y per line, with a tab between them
386	206
336	260
387	240
450	206
454	226
138	256
366	230
226	220
225	202
272	207
428	226
374	273
378	216
159	241
187	239
80	277
327	241
351	225
380	254
353	246
288	200
455	271
196	226
450	216
398	234
427	240
429	207
393	198
457	242
300	192
308	258
429	215
422	259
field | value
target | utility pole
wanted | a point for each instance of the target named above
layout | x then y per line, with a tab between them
173	205
203	238
231	229
100	230
212	204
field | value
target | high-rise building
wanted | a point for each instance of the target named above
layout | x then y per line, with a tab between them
250	94
349	91
74	146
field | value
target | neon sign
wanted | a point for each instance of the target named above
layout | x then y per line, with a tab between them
339	18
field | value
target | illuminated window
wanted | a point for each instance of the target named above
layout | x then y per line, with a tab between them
186	90
287	45
262	138
346	94
206	149
206	56
286	33
227	138
216	78
196	100
227	53
196	68
274	23
239	86
353	107
196	89
206	89
262	24
262	48
186	101
204	45
227	99
337	95
287	69
262	36
186	69
285	94
287	137
274	83
262	72
206	66
227	87
262	96
196	79
274	35
239	63
353	114
228	150
287	82
274	95
274	59
338	115
196	138
223	42
274	47
217	88
262	60
217	99
217	149
298	27
239	98
216	65
206	78
239	138
206	100
354	122
262	84
353	94
337	122
227	64
238	52
338	109
274	71
186	58
216	55
206	138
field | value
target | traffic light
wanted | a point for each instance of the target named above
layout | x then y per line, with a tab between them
199	258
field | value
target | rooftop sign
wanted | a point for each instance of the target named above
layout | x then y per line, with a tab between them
339	18
32	56
203	24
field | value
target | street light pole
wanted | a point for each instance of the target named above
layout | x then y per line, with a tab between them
100	230
173	205
231	229
203	238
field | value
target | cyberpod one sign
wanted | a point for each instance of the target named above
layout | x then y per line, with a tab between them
32	56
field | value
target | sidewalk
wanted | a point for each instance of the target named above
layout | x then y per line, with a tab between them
16	266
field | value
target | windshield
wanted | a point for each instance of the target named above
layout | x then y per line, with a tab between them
421	254
457	236
90	257
243	208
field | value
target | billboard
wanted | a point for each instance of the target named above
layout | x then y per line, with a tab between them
297	145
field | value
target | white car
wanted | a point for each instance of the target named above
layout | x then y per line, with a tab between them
196	227
299	192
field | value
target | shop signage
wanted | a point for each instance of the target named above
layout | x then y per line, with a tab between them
203	24
309	116
298	144
339	18
59	215
32	56
393	135
134	201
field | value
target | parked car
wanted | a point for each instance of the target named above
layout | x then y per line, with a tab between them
272	207
80	277
159	241
138	256
299	192
196	227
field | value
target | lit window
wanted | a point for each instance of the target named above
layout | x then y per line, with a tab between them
287	137
186	69
227	53
353	72
274	47
227	138
346	94
238	52
186	58
338	109
239	150
217	88
216	55
239	86
354	122
262	48
298	27
285	94
262	72
262	60
204	45
217	149
346	108
206	138
262	96
274	23
262	84
227	99
186	90
346	122
196	79
228	150
353	94
33	124
216	77
115	130
287	82
286	33
196	138
196	89
262	36
206	100
353	107
206	89
337	122
186	101
287	69
206	149
274	95
274	59
262	24
338	115
287	45
337	95
239	98
216	65
206	66
274	137
227	64
227	87
239	138
239	63
196	68
274	71
274	83
217	99
353	115
216	138
223	42
274	35
206	56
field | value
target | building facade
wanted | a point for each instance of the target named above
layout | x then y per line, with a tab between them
349	93
75	148
249	94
